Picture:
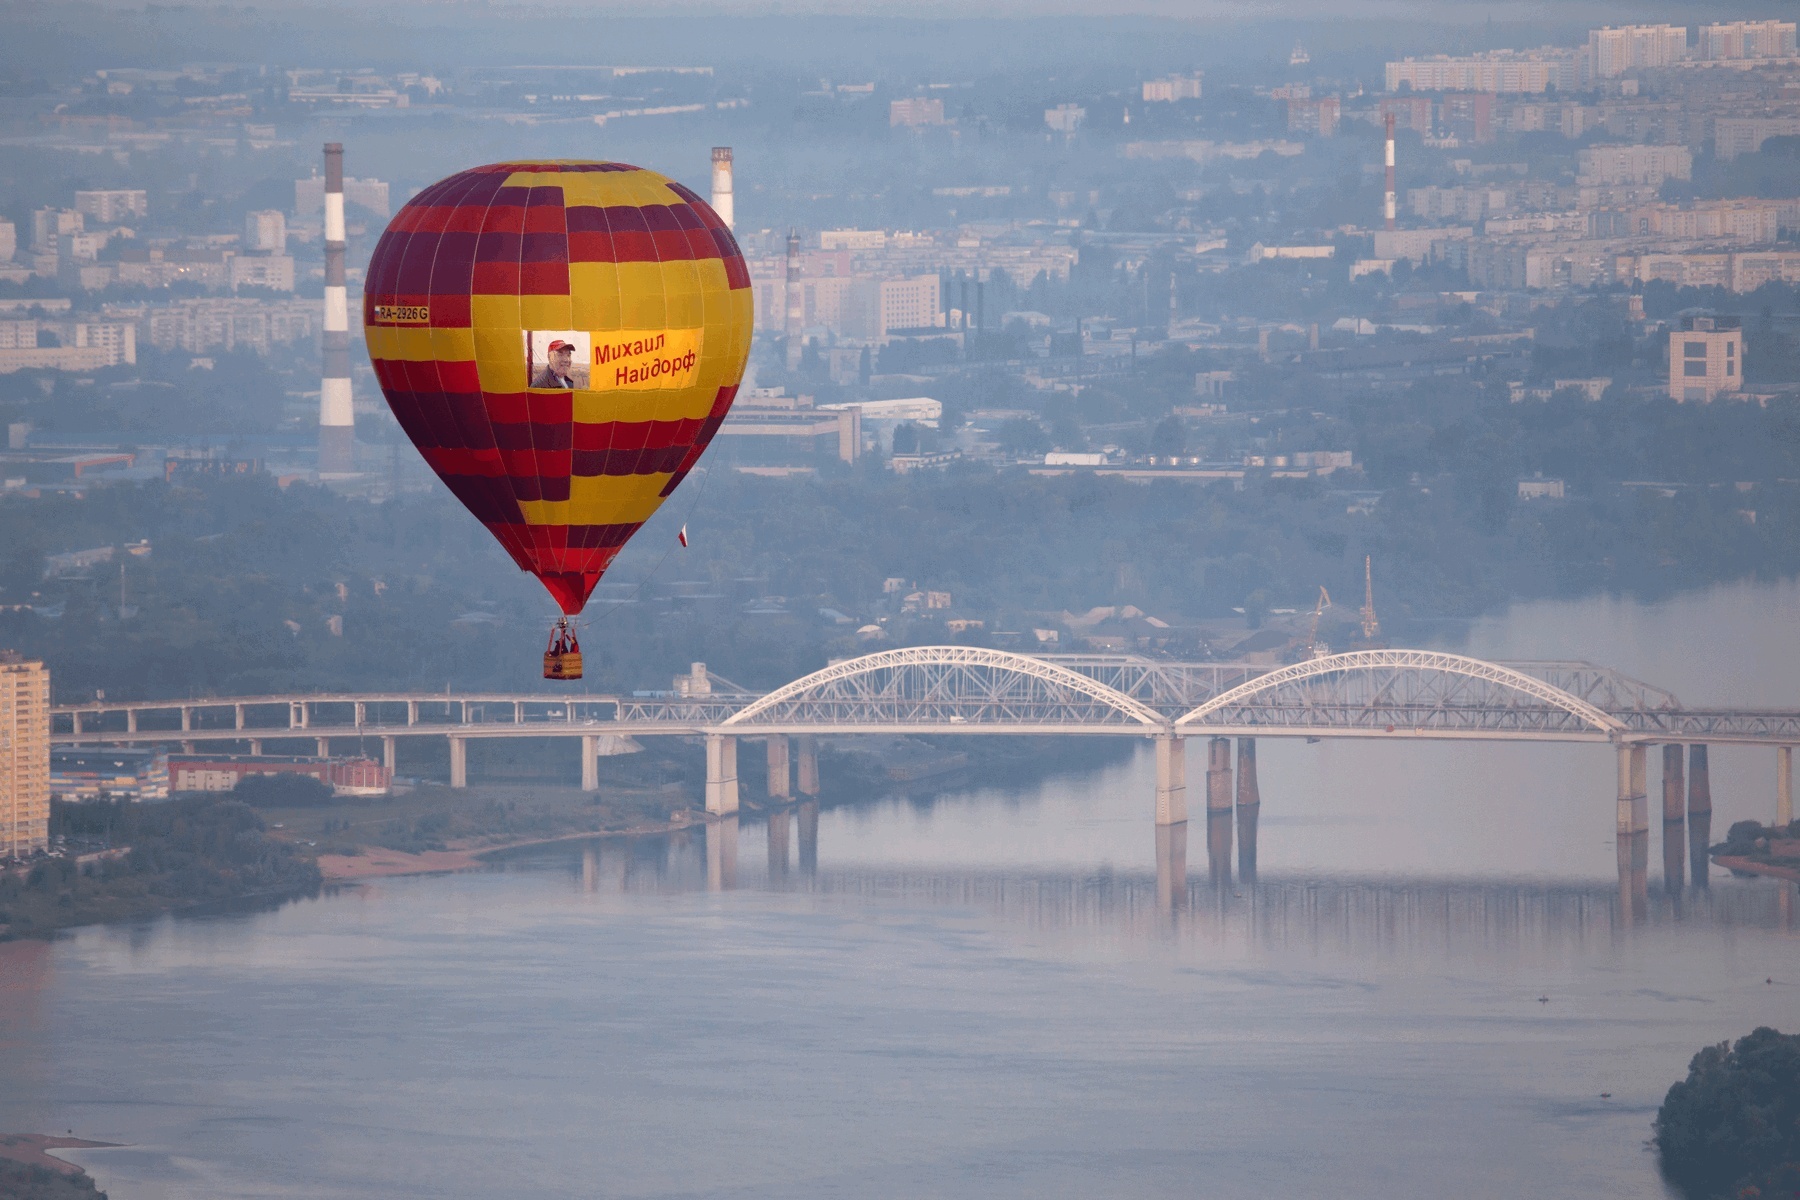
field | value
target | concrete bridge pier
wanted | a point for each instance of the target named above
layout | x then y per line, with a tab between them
1171	780
808	746
1249	807
1218	812
590	762
1171	867
1674	825
806	816
459	761
1699	815
721	854
781	774
721	774
389	750
1634	877
1784	786
779	823
1634	811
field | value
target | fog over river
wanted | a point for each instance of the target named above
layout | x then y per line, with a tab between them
1426	989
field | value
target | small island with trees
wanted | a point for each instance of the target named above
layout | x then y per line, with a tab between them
1731	1129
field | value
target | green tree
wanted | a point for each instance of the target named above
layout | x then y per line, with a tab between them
1732	1128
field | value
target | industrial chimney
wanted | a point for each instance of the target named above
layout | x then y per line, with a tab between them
796	301
337	419
1388	202
721	192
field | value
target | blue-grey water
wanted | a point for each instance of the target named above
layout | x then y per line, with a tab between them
1427	990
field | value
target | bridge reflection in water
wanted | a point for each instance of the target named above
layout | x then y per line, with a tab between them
1354	912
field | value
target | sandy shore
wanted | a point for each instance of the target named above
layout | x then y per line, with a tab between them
30	1147
1734	863
375	863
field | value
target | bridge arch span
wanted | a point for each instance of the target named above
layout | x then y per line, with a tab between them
1424	691
965	686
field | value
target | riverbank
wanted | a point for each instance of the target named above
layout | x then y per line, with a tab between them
29	1172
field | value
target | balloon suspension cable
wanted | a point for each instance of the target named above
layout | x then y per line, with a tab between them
585	620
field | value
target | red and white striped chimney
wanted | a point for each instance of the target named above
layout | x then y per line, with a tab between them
1388	202
337	418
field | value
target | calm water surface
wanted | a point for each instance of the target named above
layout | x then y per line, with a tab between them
1425	991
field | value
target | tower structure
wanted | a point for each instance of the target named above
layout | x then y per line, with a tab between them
796	301
337	417
1388	200
721	186
24	756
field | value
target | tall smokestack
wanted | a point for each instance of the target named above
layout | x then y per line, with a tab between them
337	420
721	196
796	301
1388	202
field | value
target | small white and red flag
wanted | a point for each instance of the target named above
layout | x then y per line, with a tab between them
682	536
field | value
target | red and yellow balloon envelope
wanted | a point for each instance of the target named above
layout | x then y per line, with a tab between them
560	340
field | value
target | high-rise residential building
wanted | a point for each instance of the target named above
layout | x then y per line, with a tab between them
916	110
1613	52
370	194
912	303
24	756
1498	71
114	206
1065	118
265	231
49	224
1747	39
1648	165
9	241
1173	88
1706	359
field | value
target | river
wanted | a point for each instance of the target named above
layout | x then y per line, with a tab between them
1432	986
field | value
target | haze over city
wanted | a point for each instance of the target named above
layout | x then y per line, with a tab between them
796	600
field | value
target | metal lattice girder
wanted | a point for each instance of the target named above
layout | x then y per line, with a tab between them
1171	688
1604	688
1422	691
944	685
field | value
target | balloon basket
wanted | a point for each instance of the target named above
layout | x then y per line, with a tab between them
563	659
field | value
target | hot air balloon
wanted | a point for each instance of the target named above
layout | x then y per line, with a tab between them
560	340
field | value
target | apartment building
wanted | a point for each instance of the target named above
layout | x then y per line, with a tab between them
113	206
1497	71
1614	52
1646	165
1747	39
24	755
915	111
1171	89
1706	357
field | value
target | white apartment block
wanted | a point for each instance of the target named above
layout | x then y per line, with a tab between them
9	241
1633	164
1065	118
372	194
50	224
914	111
1173	88
1497	71
265	231
24	756
1733	136
200	326
115	206
1614	52
910	303
1747	39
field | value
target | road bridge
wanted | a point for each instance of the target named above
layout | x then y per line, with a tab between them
966	690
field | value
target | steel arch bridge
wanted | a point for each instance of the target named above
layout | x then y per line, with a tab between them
946	689
1418	693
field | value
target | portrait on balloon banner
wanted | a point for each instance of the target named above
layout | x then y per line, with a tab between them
557	359
561	340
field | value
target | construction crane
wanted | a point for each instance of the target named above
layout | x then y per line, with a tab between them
1371	624
1316	648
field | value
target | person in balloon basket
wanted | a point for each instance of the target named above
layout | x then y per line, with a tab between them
559	371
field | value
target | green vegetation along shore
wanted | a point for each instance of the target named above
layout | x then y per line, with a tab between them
1731	1129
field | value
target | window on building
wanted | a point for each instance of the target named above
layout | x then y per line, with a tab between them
1694	350
1693	367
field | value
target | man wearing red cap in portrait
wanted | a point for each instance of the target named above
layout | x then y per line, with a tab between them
559	372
